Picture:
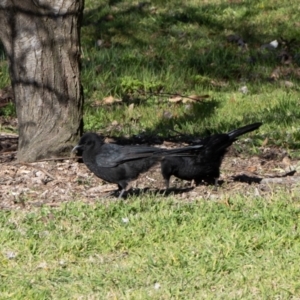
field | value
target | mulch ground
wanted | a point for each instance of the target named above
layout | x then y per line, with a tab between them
51	182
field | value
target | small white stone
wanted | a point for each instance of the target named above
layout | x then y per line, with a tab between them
125	220
274	44
243	89
11	254
156	286
62	263
39	174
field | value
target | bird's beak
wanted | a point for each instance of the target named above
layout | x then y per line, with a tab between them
76	147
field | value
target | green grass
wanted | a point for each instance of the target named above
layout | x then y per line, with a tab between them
196	250
181	47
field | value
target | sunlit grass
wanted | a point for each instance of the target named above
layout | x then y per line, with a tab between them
153	249
182	49
140	52
240	247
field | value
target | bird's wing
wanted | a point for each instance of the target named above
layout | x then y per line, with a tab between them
112	155
138	152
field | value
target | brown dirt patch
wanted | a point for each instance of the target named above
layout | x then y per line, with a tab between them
53	182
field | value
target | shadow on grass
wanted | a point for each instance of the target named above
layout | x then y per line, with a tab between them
277	117
165	129
191	40
166	34
156	192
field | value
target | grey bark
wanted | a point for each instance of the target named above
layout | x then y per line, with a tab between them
42	42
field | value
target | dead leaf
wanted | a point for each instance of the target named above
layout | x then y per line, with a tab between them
284	72
275	74
252	169
97	103
265	142
111	100
175	99
194	98
191	98
168	144
130	107
110	140
218	83
286	160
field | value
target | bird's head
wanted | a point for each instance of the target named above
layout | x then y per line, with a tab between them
88	141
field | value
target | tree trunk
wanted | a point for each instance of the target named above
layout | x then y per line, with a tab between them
42	42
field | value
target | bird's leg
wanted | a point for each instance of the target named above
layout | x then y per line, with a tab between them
216	184
121	193
167	183
122	188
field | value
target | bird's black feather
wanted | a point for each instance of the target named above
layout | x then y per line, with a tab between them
206	165
122	164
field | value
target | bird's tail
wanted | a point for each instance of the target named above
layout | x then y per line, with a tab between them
242	130
218	143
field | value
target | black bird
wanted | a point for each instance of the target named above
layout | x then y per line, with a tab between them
206	165
122	164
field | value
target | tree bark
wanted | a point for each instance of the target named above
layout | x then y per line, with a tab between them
42	42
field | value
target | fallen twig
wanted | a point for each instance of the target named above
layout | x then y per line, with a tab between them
281	180
36	167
